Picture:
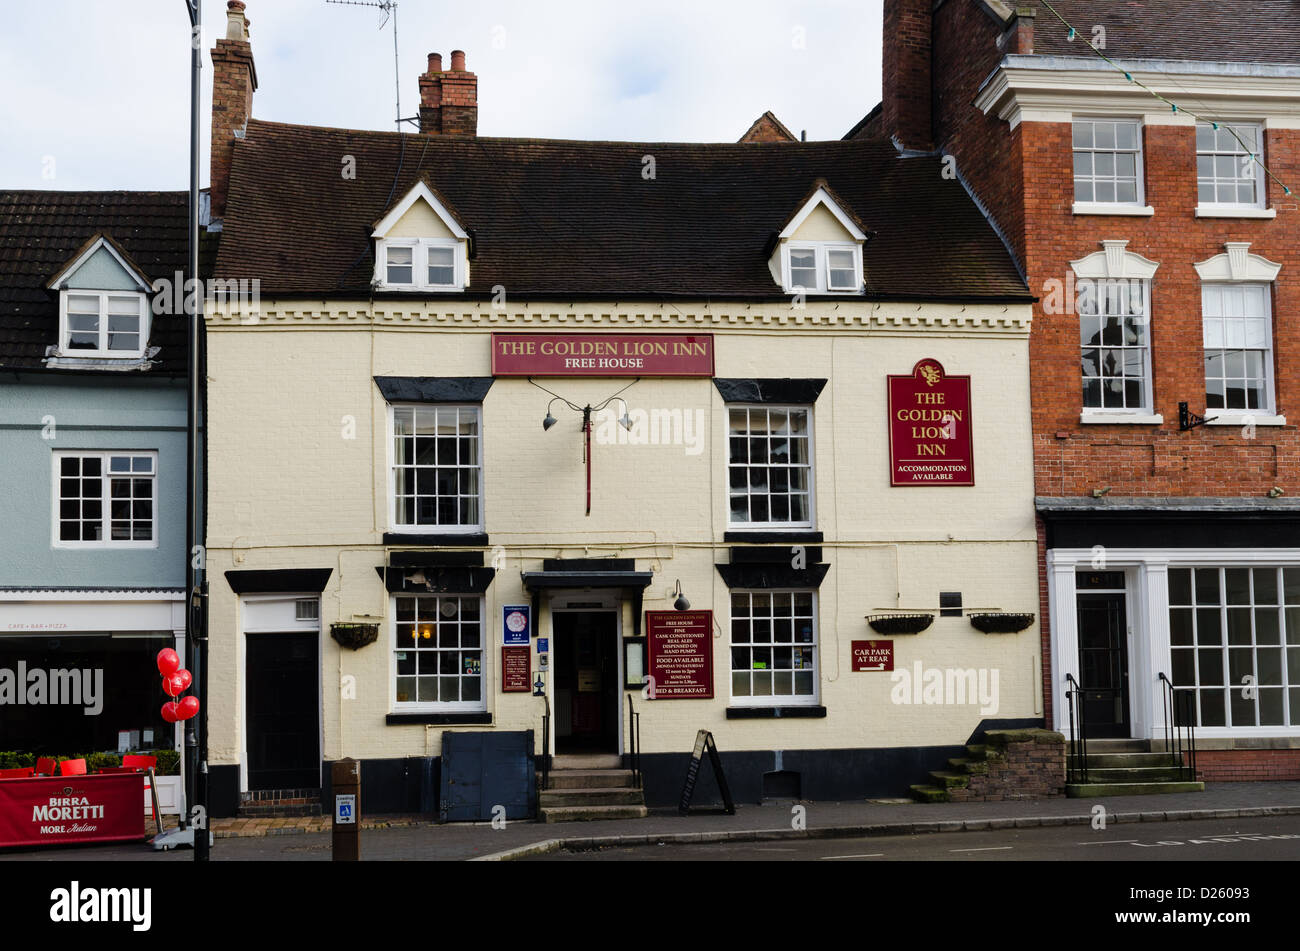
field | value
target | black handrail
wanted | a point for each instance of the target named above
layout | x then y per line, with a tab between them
546	744
1078	769
1182	752
634	739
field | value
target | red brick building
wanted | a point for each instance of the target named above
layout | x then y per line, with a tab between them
1144	195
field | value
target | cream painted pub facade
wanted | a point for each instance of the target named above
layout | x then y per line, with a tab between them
503	403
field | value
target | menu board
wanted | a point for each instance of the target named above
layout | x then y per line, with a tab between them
515	669
681	654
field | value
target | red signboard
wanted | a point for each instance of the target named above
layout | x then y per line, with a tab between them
515	669
602	354
681	654
873	655
62	809
930	428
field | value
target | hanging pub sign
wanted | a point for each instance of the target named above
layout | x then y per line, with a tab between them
873	655
930	427
515	671
602	354
680	648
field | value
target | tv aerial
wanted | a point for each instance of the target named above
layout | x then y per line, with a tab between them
389	8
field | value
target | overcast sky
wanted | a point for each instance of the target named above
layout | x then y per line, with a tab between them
95	94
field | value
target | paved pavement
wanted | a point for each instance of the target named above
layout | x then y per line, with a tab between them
417	838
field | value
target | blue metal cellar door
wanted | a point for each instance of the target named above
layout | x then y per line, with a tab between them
483	770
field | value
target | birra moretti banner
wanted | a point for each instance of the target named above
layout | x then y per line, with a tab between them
63	809
930	428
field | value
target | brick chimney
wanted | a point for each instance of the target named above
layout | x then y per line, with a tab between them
906	82
1019	37
234	80
448	98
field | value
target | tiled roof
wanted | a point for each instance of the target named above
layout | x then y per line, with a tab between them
40	231
565	219
1259	31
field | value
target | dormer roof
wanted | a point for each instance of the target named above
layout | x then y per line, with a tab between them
422	191
822	196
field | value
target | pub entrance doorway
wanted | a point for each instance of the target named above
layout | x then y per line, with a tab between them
586	681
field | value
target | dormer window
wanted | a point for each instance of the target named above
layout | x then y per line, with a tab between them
824	267
103	310
820	249
102	324
420	245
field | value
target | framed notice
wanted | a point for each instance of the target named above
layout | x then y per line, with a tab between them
930	428
515	671
680	648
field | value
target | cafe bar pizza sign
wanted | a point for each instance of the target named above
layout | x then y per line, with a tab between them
930	428
602	354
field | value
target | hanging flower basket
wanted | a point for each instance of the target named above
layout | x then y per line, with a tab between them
354	636
1001	623
900	623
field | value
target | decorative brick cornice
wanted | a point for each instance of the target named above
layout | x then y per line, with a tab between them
891	317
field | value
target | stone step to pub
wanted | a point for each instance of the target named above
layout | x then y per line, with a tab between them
609	796
1139	774
586	761
1126	760
1090	790
591	813
929	793
589	778
974	767
1115	746
949	780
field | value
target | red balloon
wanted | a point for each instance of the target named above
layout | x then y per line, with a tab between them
168	661
187	708
186	678
169	711
174	685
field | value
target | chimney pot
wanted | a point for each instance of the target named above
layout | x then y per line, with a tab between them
236	22
458	61
435	62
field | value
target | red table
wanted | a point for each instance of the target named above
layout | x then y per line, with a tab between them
54	810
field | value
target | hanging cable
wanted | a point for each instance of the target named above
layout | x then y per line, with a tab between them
1072	33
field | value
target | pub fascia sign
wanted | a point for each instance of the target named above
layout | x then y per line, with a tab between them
602	354
930	427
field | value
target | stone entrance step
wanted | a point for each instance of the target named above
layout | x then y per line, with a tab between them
590	787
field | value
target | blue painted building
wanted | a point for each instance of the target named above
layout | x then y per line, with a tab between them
92	466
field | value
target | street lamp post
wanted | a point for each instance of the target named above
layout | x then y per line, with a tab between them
196	732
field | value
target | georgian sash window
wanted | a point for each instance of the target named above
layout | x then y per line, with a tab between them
437	467
438	652
773	647
770	472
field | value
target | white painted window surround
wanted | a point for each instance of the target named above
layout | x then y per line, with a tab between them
1115	299
1236	289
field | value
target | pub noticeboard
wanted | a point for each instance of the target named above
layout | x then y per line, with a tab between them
930	427
680	647
515	670
602	354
